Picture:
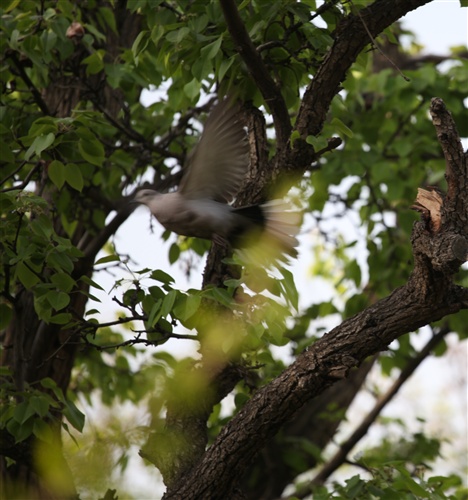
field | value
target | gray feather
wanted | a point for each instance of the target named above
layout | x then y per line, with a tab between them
219	163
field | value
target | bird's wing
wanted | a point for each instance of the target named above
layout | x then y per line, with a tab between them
219	162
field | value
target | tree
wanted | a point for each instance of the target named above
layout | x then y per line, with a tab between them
77	142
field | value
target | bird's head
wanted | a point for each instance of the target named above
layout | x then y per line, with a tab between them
145	196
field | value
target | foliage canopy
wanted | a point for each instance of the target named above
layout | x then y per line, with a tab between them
328	115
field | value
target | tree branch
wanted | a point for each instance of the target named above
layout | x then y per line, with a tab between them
26	180
317	422
259	72
324	363
32	88
428	296
351	36
456	160
340	456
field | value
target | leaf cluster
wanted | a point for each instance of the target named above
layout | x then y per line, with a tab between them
77	138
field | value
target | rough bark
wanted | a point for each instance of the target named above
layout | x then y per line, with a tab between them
361	430
34	349
317	422
352	35
429	295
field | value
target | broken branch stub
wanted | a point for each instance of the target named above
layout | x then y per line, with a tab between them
429	203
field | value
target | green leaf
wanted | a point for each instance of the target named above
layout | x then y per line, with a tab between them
61	318
115	73
22	412
187	307
42	226
290	288
74	416
74	177
140	43
353	272
60	261
317	142
107	258
42	431
155	313
156	33
63	281
11	6
92	151
341	128
177	36
56	173
40	405
92	283
212	49
168	302
161	276
192	88
219	295
108	16
174	253
276	333
14	39
26	276
406	483
94	63
39	144
224	67
58	300
20	431
49	383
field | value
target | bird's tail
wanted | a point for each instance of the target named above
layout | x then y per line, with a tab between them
272	232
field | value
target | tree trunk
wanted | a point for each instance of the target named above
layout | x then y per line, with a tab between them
34	349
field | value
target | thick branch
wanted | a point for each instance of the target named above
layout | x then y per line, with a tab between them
325	362
351	37
317	422
456	171
260	74
428	296
360	431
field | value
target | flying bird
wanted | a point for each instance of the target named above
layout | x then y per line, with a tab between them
213	174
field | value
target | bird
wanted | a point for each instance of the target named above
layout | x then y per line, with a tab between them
215	169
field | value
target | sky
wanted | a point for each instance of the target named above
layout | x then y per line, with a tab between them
439	25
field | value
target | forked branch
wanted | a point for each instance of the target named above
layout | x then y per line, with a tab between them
428	296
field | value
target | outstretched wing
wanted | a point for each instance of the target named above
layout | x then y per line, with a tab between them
219	162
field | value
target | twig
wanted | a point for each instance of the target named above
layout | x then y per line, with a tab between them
136	136
323	8
333	143
23	163
374	43
36	94
25	181
138	340
120	321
